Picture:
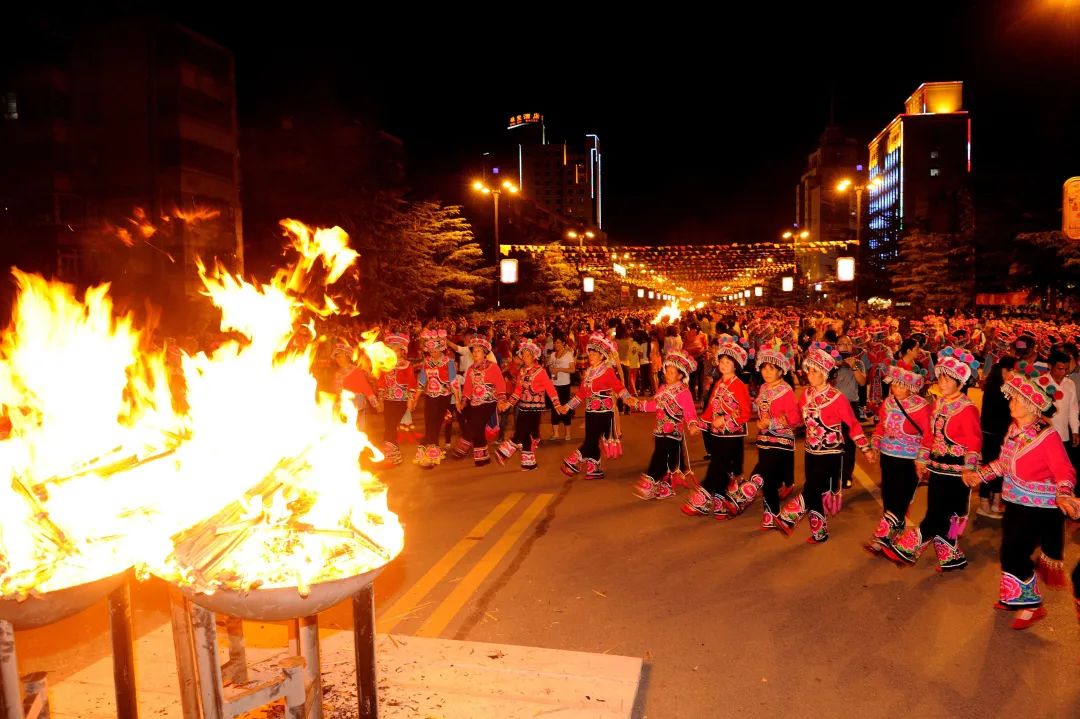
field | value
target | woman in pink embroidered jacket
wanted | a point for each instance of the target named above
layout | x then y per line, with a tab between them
951	445
1038	489
532	387
483	389
825	413
599	390
902	419
675	414
777	417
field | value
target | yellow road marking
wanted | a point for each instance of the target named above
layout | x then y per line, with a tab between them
445	612
864	479
409	601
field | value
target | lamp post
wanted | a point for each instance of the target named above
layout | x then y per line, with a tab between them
843	186
506	186
795	234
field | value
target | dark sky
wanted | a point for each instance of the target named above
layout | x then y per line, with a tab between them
705	119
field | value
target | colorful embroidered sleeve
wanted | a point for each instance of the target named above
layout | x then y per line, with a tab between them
686	401
990	470
543	383
494	376
969	434
791	414
742	396
879	430
514	390
927	439
846	415
1060	467
357	383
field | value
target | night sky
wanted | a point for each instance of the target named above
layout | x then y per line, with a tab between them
705	120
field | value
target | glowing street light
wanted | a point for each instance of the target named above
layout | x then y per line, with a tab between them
757	291
508	271
787	283
588	284
495	192
845	269
640	293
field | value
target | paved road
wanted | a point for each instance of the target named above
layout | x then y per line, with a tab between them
732	621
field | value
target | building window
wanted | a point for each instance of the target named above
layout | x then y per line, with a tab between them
935	172
933	154
11	106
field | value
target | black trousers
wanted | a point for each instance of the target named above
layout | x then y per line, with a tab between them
527	428
726	462
849	450
947	495
564	397
1023	529
777	468
393	411
898	484
646	378
666	457
823	474
695	381
476	417
434	416
597	425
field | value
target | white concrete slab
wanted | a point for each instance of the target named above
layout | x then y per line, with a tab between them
418	677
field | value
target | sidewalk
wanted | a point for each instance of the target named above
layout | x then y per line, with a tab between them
418	677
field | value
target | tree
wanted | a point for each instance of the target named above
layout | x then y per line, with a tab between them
556	278
457	267
933	270
1049	262
416	259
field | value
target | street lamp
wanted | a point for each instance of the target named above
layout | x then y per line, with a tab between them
506	186
795	235
588	284
843	186
787	284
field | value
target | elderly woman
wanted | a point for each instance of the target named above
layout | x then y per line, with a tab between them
1038	488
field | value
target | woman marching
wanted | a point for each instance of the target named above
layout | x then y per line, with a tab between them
903	418
396	389
483	389
437	381
724	423
949	447
1038	492
531	387
778	416
825	413
675	414
599	389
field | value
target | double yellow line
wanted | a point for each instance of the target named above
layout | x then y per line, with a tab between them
449	607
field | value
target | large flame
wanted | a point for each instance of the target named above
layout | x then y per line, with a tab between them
84	403
256	484
669	313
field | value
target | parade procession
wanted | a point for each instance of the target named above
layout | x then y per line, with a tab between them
365	362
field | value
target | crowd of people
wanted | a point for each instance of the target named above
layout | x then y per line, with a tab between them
717	371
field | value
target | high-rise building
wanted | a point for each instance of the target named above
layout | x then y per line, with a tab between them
115	119
557	176
923	161
819	209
